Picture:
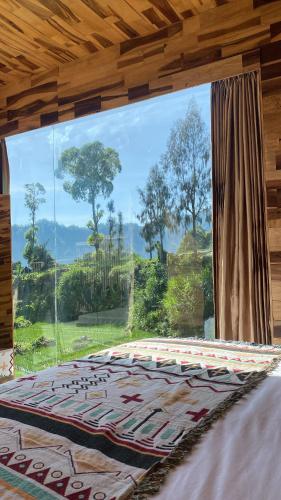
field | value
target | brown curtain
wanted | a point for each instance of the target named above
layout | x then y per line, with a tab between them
241	263
4	169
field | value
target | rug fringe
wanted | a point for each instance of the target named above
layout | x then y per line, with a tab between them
152	481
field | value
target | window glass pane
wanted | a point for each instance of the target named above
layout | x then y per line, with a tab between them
33	245
111	223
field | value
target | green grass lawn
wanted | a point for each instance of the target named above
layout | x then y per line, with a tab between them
68	342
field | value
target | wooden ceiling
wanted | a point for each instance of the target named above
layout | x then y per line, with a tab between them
36	35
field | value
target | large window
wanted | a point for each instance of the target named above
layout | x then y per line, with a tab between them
111	229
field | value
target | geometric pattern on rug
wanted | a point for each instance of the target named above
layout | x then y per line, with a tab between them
6	362
93	428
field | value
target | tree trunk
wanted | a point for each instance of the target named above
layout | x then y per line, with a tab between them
96	228
194	232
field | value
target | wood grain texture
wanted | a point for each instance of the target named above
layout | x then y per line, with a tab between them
6	315
38	34
61	59
67	58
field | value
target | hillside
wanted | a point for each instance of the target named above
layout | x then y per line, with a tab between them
69	242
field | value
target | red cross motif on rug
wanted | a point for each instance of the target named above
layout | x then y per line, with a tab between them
197	415
133	397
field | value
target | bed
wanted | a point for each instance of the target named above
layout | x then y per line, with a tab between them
239	458
111	426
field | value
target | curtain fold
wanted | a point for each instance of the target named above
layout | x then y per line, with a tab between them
241	261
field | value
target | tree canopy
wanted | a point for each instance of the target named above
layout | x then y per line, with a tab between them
34	253
186	161
89	172
155	199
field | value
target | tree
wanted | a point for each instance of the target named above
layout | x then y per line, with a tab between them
89	173
42	257
33	198
148	234
120	234
111	222
156	201
187	161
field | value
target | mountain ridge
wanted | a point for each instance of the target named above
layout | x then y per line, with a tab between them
67	243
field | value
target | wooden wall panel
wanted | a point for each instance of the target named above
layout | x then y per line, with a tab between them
212	44
272	141
6	316
82	56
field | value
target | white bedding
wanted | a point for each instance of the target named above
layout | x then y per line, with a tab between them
240	457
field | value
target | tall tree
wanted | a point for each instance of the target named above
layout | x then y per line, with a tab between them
111	223
148	234
187	161
120	234
33	198
89	172
156	204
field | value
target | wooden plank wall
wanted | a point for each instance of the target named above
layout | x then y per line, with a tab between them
6	316
214	44
272	142
231	38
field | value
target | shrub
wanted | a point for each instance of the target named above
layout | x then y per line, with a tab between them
74	292
202	240
149	289
19	349
42	342
22	322
184	302
86	289
186	265
36	296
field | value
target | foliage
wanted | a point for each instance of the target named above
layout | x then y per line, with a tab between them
184	302
19	349
111	222
89	173
189	298
147	232
123	273
187	161
17	269
38	257
34	197
202	240
75	293
149	289
120	233
92	285
42	342
21	322
156	204
36	295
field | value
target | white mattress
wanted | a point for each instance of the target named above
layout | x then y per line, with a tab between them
240	457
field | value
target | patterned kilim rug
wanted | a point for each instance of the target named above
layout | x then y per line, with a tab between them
110	426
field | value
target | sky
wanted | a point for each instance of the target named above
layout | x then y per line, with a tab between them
139	132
